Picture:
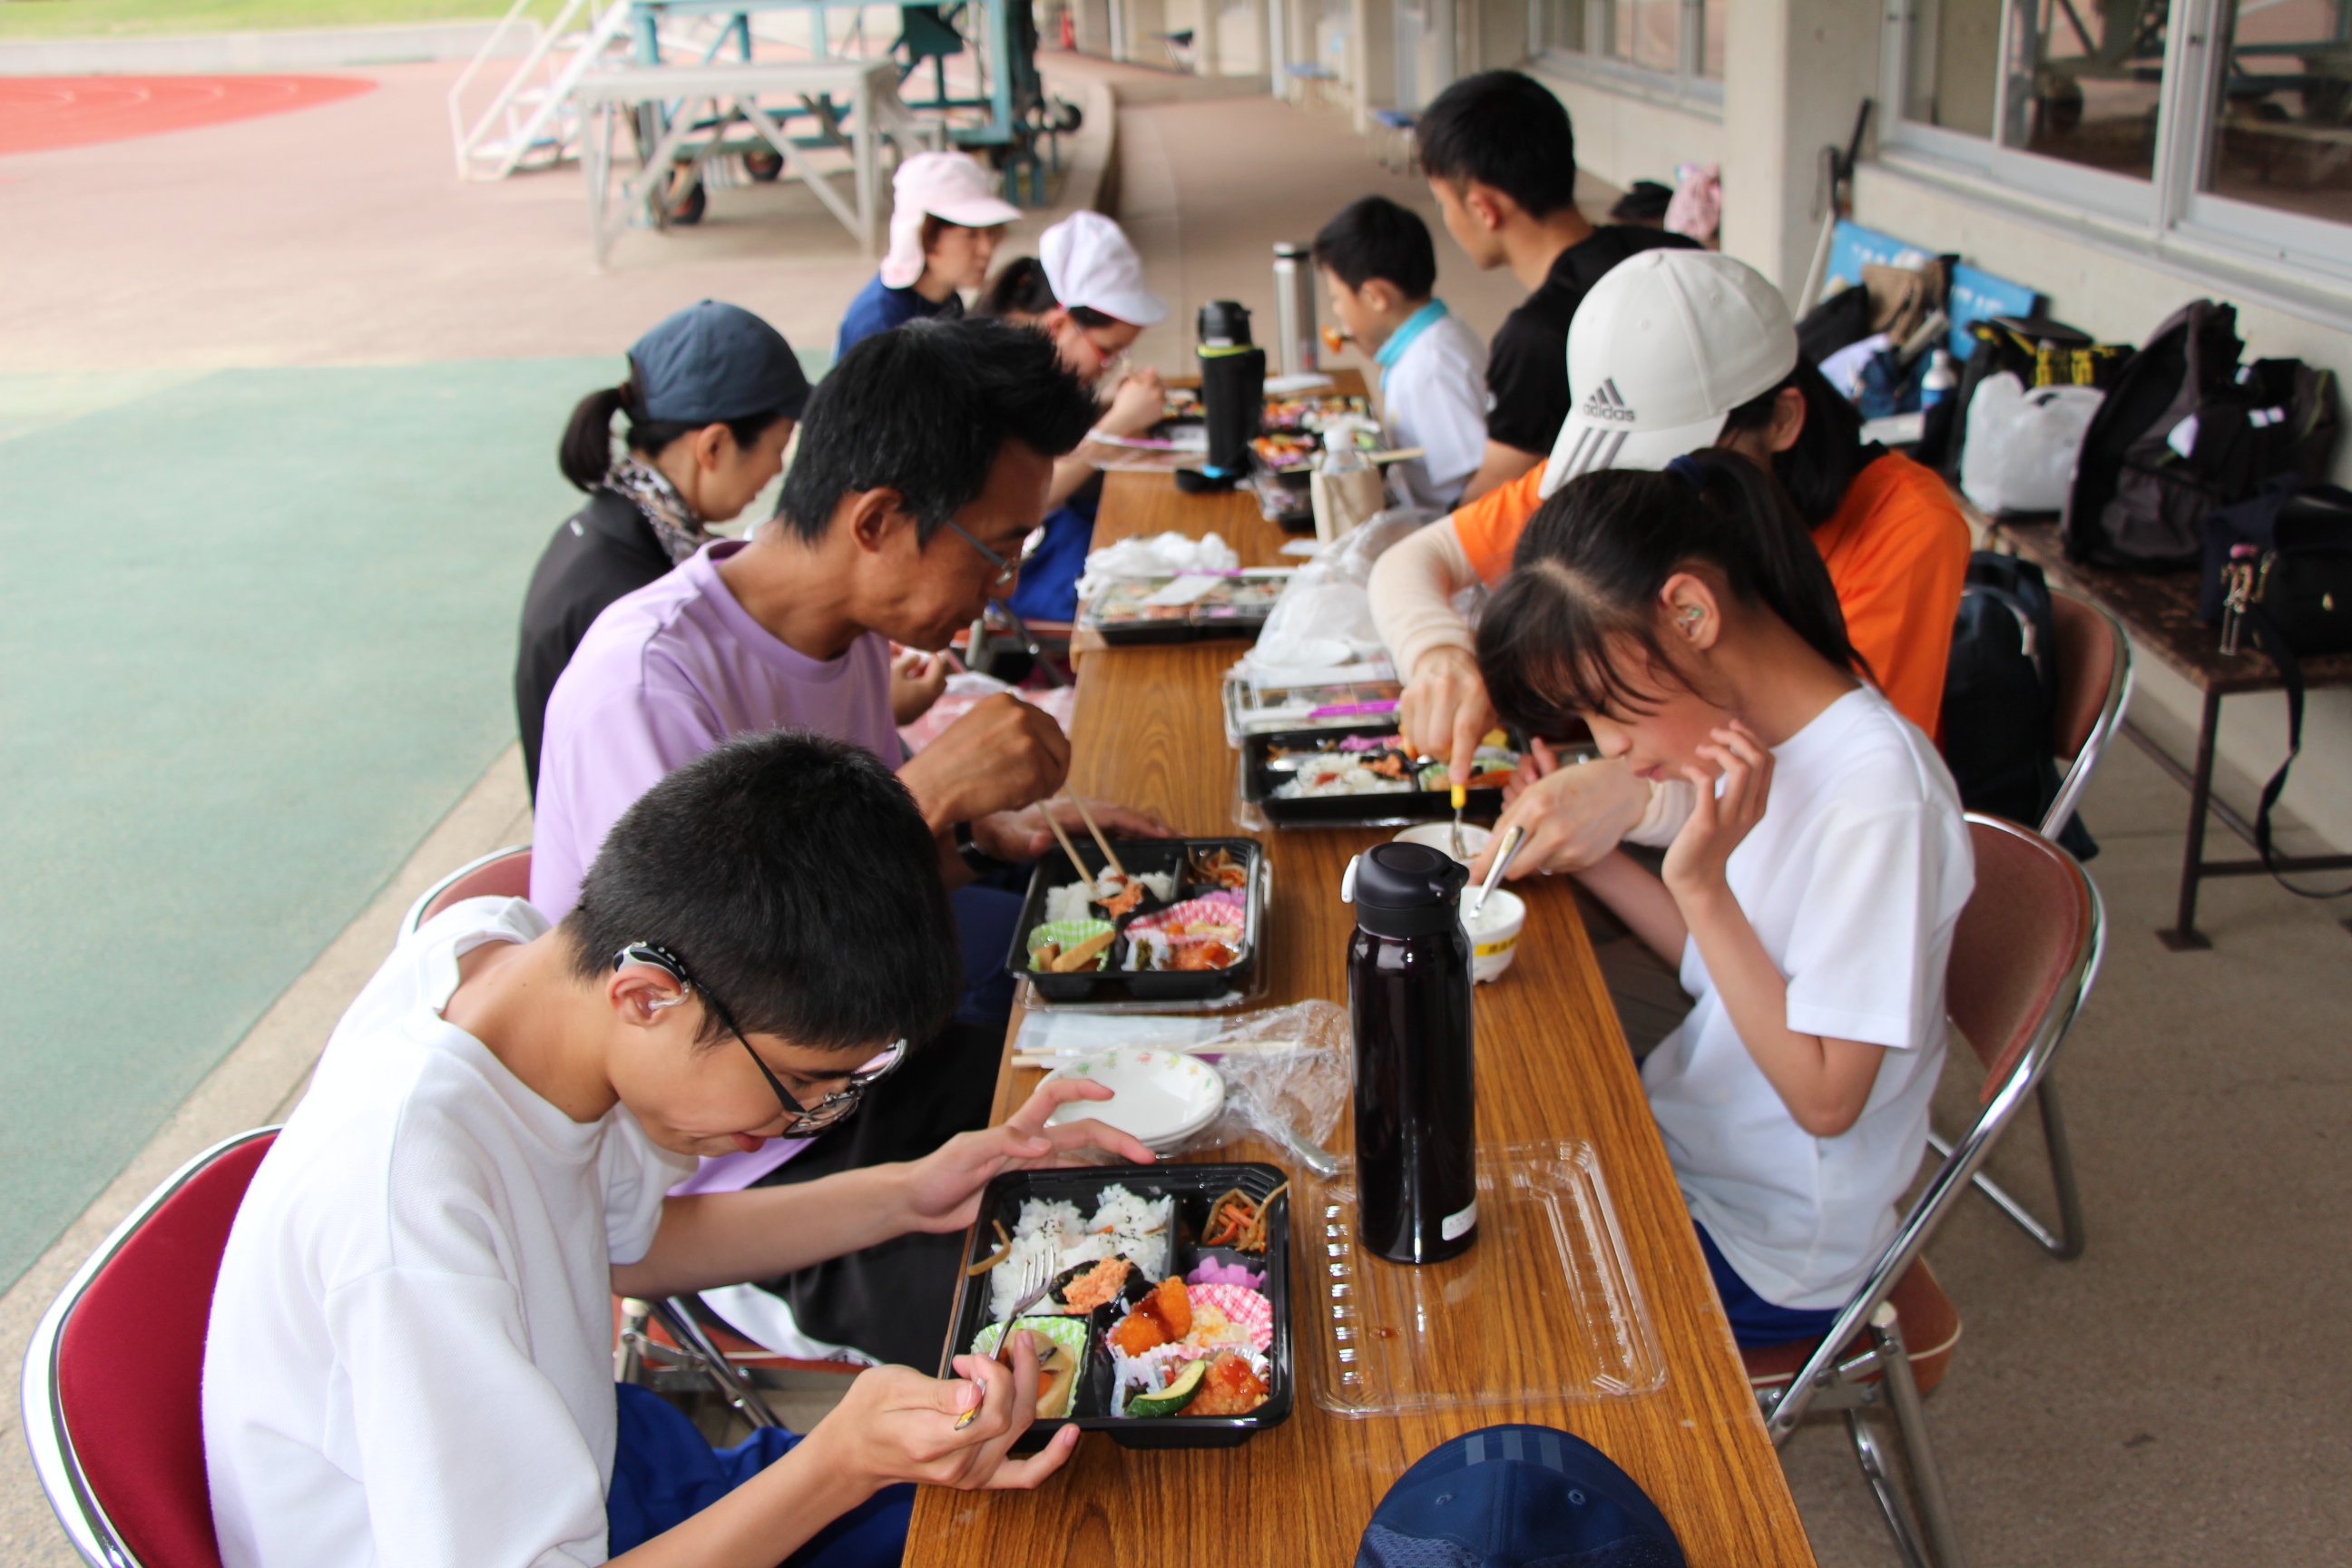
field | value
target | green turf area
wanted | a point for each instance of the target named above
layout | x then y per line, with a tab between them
171	18
259	627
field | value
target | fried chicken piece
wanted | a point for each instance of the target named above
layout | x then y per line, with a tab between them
1229	1387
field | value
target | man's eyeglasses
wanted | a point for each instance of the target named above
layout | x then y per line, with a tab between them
1007	572
799	1122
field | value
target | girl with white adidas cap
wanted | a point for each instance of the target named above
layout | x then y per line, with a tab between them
1677	350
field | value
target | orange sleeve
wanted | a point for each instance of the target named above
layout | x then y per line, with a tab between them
1489	527
1898	566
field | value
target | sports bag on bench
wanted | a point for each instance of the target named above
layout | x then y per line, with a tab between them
2296	598
2186	430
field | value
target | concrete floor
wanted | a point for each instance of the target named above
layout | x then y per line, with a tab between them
2176	1396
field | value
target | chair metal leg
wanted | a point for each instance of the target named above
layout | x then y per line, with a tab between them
725	1376
2065	1242
1910	1419
1883	1485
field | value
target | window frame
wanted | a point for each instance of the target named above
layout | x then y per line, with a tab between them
2168	212
1682	87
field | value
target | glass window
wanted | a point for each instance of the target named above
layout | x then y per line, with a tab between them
2085	79
1954	65
2282	131
1648	33
1711	17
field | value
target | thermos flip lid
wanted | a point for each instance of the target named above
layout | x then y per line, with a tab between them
1407	889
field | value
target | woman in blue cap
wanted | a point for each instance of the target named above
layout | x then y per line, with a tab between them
712	396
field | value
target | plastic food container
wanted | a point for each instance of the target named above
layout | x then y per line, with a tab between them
1386	809
1114	983
1194	1188
1167	609
1494	934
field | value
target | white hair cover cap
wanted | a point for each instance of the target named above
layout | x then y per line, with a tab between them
1088	262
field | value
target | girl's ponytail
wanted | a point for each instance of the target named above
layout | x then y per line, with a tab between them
585	455
1019	288
1585	582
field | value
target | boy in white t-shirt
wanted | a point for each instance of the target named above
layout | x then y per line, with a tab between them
1379	268
409	1356
1686	617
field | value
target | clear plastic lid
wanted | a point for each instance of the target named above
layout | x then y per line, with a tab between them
1545	1307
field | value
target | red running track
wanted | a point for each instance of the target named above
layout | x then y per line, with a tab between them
41	112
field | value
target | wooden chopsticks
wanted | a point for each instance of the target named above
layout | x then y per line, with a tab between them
1101	843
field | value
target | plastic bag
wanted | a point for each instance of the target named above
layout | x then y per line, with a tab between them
1286	1069
1325	610
1167	554
1295	1086
2019	453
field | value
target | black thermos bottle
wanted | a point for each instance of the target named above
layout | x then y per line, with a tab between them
1409	998
1233	389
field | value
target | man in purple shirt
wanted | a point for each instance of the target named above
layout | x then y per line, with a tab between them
923	463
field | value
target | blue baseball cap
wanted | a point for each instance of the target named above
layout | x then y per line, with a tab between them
1517	1497
712	362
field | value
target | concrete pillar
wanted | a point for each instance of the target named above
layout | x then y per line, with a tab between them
1371	57
1796	71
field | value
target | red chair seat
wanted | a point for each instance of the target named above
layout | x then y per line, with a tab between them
1930	1324
130	1367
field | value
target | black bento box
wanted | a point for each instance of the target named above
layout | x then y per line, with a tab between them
1194	1188
1258	785
1139	855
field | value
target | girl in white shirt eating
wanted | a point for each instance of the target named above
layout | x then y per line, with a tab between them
1811	898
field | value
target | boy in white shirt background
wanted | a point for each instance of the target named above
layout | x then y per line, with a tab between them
409	1355
1379	268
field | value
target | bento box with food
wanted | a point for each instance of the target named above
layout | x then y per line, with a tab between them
1162	1298
1182	608
1182	926
1362	776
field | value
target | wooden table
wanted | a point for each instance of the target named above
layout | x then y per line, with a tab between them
2161	611
1552	1065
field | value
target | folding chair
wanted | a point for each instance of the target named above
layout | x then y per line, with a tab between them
113	1378
2094	683
2023	957
500	874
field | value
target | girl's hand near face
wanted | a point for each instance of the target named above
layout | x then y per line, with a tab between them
1137	406
1694	862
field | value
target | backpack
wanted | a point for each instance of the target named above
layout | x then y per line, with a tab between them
2186	430
2001	696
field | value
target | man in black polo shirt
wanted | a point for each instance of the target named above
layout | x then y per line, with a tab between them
1501	160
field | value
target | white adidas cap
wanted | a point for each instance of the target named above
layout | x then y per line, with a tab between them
1089	262
1663	347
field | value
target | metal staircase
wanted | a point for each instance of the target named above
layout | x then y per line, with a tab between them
532	118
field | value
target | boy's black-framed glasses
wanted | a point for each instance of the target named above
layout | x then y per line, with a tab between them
799	1122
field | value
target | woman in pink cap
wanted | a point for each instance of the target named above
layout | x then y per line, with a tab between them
1085	290
945	220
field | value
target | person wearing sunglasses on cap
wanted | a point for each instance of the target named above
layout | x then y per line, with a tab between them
712	396
1085	290
946	219
921	468
409	1355
1678	350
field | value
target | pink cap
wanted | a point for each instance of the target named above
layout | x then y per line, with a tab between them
948	185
